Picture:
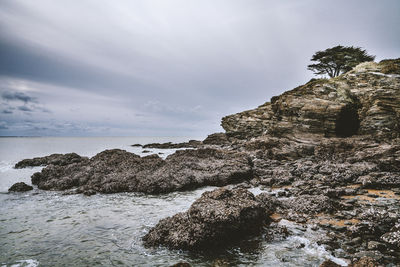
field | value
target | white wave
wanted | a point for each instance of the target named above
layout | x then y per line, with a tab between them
22	263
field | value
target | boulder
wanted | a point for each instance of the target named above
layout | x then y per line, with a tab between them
20	187
216	219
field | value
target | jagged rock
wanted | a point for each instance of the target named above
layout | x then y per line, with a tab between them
170	145
216	219
308	204
119	171
220	139
365	100
20	187
393	236
54	159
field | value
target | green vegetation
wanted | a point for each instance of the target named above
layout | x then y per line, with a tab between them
337	60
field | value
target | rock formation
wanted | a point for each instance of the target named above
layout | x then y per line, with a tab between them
116	170
216	219
54	159
20	187
365	100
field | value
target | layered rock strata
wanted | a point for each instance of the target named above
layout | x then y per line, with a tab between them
365	100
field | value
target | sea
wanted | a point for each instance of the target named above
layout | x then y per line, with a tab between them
47	228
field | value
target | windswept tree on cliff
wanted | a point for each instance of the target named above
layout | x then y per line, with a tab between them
337	60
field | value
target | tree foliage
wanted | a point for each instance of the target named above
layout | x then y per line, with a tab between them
337	60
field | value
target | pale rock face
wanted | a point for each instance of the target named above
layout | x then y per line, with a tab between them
364	101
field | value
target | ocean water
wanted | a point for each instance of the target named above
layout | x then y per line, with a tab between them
46	228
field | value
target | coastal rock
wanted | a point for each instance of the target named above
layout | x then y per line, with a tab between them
170	145
220	139
329	263
116	170
365	262
363	101
216	219
54	159
20	187
393	236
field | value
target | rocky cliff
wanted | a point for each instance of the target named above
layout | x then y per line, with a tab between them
364	101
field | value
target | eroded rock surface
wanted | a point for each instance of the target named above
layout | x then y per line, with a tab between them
216	219
365	100
119	171
54	159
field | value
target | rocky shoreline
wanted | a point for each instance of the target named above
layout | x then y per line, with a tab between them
325	154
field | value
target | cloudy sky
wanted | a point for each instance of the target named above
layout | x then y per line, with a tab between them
167	67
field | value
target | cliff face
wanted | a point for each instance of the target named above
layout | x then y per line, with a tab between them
365	100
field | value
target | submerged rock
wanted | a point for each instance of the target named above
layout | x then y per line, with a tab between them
20	187
116	170
170	145
54	159
216	219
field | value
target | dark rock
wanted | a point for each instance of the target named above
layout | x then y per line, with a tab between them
54	159
181	264
20	187
216	219
329	263
146	151
269	202
116	170
136	145
170	145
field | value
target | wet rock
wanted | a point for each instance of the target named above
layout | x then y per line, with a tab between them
136	145
329	263
216	219
54	159
170	145
269	202
116	170
20	187
181	264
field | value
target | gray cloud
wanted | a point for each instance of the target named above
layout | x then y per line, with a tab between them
25	108
18	96
151	67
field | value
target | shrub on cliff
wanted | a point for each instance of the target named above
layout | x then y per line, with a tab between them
337	60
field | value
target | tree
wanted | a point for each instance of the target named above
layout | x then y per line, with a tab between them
337	60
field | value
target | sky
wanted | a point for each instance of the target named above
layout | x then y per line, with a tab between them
167	67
